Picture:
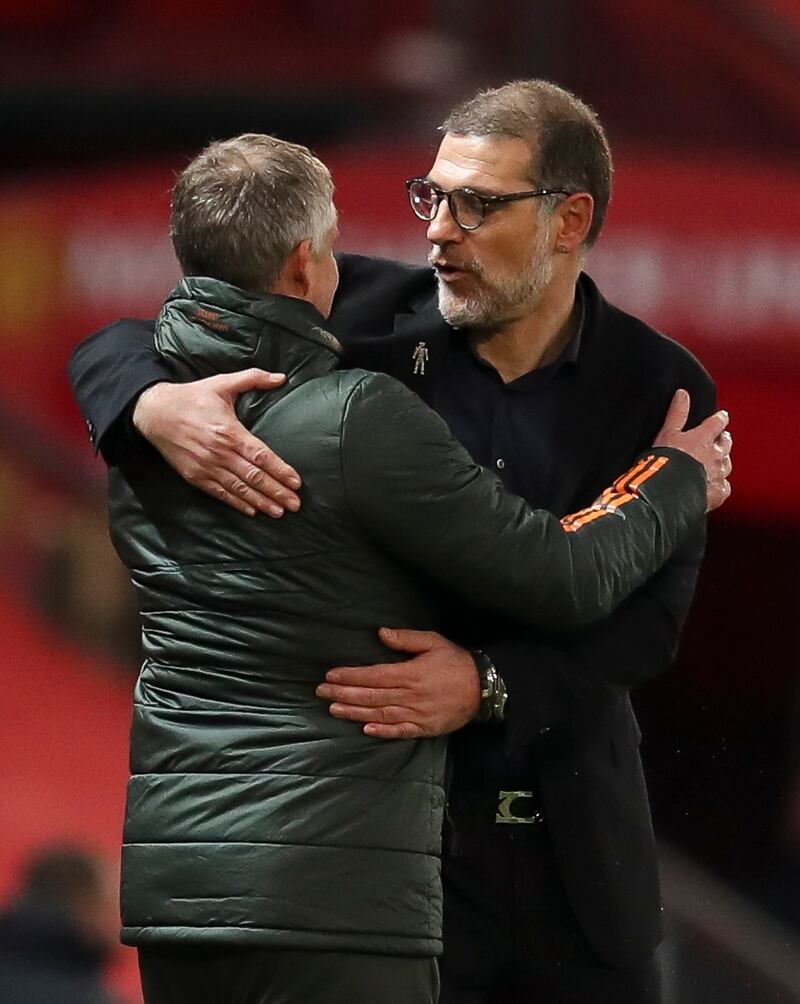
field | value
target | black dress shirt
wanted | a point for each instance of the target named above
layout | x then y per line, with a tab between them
505	425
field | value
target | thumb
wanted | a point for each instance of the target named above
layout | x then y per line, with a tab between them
678	412
406	640
252	379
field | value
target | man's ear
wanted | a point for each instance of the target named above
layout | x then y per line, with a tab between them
574	220
295	276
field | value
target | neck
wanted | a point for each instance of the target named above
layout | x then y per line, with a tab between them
534	340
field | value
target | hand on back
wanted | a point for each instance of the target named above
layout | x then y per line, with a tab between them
195	428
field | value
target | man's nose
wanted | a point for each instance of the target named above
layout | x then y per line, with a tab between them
443	229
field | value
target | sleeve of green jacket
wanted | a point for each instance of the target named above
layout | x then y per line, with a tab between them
419	495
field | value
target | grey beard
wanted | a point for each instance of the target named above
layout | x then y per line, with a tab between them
496	303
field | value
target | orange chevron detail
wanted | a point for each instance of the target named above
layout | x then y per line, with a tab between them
590	517
620	483
654	468
623	491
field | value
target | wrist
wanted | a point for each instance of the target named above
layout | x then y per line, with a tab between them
493	693
138	408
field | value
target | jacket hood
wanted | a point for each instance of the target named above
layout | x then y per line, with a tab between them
208	326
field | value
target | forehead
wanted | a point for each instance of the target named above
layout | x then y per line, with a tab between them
494	164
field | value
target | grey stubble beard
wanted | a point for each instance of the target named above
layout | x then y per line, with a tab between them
498	300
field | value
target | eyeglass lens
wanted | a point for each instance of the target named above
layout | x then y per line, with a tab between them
466	208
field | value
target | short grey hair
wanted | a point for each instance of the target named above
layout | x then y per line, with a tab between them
242	205
569	148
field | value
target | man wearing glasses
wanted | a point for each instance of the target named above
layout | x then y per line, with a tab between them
551	887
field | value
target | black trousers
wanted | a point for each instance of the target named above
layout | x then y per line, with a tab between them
266	976
510	935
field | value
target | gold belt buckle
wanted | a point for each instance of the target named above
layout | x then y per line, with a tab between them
505	802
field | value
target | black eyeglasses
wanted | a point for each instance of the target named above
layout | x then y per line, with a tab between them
468	208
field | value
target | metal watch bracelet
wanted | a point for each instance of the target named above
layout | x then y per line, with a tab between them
493	691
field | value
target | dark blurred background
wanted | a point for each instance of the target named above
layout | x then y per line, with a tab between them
100	103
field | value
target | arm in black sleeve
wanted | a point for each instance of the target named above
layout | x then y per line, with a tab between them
419	495
551	681
108	372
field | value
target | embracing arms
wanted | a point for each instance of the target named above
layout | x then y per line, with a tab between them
419	495
195	427
124	390
552	680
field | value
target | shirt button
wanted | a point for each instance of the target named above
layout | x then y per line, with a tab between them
500	463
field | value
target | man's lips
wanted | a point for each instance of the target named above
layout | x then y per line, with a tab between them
449	272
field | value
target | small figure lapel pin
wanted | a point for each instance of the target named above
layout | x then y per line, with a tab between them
420	357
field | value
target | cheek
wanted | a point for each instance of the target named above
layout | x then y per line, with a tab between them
331	282
498	261
333	277
499	248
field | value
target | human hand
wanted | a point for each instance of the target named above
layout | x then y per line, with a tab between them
708	443
431	694
195	428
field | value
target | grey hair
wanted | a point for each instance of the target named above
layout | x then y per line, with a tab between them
569	148
242	205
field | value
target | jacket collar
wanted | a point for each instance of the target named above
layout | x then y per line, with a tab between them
208	326
422	338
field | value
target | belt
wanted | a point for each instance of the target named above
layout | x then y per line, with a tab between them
508	813
471	831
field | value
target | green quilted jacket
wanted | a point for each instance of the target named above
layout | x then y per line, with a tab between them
253	816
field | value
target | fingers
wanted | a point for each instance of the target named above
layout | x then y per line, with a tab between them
253	462
715	424
253	499
217	491
234	492
723	462
382	675
390	715
229	462
267	463
407	640
717	493
726	467
404	730
719	468
365	697
725	441
678	412
258	489
250	379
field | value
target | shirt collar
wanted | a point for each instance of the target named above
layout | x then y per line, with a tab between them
543	374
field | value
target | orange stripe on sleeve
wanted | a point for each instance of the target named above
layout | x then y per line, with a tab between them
590	517
620	483
654	468
623	491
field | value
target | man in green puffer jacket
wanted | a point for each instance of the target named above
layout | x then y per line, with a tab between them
272	852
